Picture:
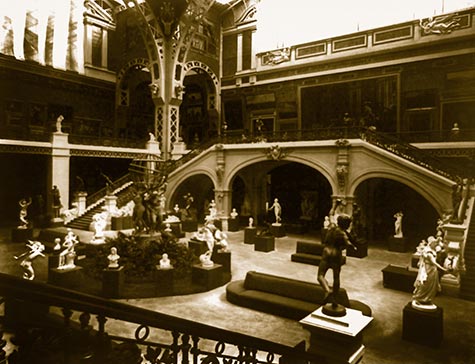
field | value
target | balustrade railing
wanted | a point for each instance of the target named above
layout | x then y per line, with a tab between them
138	333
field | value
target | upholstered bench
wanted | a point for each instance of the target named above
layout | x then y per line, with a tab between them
309	253
283	296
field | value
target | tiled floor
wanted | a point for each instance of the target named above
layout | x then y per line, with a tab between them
362	278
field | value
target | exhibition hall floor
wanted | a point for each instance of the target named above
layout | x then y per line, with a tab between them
362	278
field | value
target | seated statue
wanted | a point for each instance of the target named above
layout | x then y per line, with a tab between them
205	259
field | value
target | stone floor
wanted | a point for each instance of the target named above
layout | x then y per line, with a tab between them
362	278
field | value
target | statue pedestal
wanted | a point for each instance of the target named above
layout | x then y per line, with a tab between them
198	247
164	284
337	339
423	327
189	225
360	252
397	244
264	243
277	230
249	235
233	225
67	278
22	235
224	259
208	277
53	260
112	282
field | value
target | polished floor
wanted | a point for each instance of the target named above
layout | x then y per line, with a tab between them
362	278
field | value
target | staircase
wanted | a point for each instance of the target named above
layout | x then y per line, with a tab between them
124	194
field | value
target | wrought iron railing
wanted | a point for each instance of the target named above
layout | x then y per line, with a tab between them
159	337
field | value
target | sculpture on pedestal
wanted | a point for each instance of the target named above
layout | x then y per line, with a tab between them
336	240
113	259
165	262
99	224
398	224
35	249
234	214
427	283
24	203
251	222
277	211
67	256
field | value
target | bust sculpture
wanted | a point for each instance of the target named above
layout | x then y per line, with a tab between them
165	262
233	213
113	258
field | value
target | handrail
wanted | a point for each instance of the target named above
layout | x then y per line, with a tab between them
39	292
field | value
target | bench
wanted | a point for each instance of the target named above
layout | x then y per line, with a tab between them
309	253
283	296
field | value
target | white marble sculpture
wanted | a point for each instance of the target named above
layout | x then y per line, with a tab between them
234	214
67	256
113	258
398	224
165	262
35	249
277	211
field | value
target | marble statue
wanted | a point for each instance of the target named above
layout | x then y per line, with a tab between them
99	222
277	211
24	203
398	224
212	209
35	249
57	244
251	222
205	259
59	120
221	240
113	258
176	208
168	228
165	262
427	283
56	197
67	256
233	213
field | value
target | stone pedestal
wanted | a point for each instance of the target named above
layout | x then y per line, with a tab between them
400	278
423	327
338	339
53	260
360	252
22	235
189	225
397	244
67	278
207	277
224	259
164	283
233	225
198	247
117	223
112	282
176	228
249	235
264	243
277	230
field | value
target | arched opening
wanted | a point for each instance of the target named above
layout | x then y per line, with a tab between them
198	121
305	197
379	199
201	188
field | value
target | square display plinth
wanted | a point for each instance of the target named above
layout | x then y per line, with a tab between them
339	339
112	282
21	235
208	277
223	258
423	327
198	247
189	225
249	235
67	278
264	243
277	230
233	224
397	244
164	280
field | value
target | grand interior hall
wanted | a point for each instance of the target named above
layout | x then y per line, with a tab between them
179	175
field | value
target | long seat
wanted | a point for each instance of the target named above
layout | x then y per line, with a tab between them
283	296
309	253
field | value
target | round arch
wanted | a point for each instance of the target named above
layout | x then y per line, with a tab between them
437	202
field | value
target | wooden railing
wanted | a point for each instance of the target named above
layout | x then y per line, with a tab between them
189	340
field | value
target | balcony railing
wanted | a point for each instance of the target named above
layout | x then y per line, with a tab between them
158	337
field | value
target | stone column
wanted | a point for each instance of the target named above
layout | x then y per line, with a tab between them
59	169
